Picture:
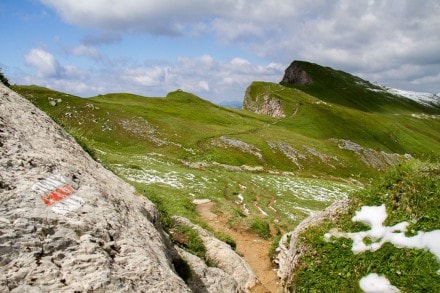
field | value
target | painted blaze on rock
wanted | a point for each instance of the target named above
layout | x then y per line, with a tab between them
56	191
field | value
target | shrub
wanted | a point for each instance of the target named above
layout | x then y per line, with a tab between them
261	228
3	79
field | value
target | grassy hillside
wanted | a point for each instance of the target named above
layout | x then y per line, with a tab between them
410	193
179	148
265	174
396	131
344	89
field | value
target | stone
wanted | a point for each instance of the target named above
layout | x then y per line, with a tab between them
207	279
289	250
68	224
223	257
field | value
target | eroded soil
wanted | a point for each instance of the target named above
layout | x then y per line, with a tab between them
253	249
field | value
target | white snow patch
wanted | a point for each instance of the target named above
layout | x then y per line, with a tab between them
261	210
420	97
246	210
201	201
373	283
425	116
374	216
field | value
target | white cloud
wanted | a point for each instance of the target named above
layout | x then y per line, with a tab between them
44	62
158	17
86	50
373	38
204	76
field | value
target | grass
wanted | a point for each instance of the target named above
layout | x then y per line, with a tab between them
410	193
261	227
168	147
338	87
189	240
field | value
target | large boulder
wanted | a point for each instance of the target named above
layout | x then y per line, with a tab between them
66	223
223	257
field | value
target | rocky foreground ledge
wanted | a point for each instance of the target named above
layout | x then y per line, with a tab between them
69	225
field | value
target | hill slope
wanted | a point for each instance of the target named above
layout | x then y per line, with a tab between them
262	174
183	143
404	206
344	89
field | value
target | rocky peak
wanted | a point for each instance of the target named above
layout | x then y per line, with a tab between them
295	74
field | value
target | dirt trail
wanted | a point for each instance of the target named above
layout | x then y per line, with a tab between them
254	249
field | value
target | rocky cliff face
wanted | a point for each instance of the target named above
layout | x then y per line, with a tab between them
295	74
263	104
69	225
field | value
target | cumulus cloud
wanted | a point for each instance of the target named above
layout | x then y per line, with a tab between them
158	17
44	62
205	76
372	38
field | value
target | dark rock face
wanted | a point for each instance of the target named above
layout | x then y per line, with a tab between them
295	74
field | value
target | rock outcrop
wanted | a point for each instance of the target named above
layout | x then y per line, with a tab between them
379	160
295	74
66	223
224	258
263	104
289	250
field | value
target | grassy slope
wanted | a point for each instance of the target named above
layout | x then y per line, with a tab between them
130	130
410	193
341	88
394	131
145	140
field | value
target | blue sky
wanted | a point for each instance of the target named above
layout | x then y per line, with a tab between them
214	48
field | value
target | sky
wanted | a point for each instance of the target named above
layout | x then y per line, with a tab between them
214	48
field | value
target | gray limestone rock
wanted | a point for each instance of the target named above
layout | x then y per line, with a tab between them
223	257
66	223
207	279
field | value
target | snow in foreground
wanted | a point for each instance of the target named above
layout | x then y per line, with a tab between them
374	216
373	283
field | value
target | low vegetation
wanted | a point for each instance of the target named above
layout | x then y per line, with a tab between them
410	193
4	79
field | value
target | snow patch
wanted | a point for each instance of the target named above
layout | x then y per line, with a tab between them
373	283
374	216
420	97
201	201
423	98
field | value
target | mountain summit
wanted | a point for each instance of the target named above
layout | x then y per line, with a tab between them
295	74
